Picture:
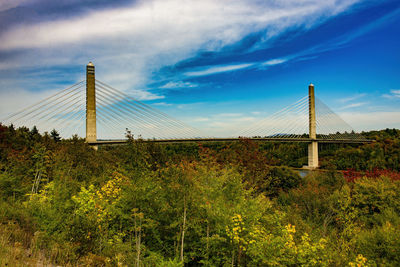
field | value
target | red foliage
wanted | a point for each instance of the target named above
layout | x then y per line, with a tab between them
352	175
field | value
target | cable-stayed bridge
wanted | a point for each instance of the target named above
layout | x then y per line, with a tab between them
103	114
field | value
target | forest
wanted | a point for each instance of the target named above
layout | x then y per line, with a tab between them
211	204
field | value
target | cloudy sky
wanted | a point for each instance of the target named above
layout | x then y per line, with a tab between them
212	64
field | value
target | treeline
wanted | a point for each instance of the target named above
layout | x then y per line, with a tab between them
383	153
226	204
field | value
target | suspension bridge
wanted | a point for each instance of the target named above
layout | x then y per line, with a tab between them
103	114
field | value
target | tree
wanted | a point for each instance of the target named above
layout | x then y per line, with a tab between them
55	135
34	130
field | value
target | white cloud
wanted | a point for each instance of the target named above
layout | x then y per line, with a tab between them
129	44
275	61
145	95
354	105
218	69
393	94
179	84
166	30
162	104
224	21
210	70
351	98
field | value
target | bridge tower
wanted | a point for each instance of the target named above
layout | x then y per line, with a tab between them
91	135
313	146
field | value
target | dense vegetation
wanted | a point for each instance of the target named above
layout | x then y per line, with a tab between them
226	204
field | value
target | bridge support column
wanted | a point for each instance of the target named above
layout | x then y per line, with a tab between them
313	155
313	146
91	135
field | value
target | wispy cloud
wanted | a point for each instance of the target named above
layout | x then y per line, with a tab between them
394	94
144	32
145	95
218	69
275	61
354	105
162	104
190	106
210	70
147	38
351	98
178	84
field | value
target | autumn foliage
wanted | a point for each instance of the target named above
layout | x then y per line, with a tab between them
222	204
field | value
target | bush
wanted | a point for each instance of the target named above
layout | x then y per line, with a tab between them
278	179
373	196
380	244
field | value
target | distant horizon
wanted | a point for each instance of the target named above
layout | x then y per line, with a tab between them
215	65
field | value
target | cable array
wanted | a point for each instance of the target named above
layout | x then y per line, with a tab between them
62	111
118	111
331	126
290	122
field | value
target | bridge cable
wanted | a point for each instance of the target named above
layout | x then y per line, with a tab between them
120	112
150	109
132	113
46	99
51	105
142	116
276	116
155	116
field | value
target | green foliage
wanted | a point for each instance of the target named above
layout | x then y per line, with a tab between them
380	243
278	179
372	197
282	249
384	153
55	135
222	204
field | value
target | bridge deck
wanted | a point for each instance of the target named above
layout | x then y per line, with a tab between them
197	140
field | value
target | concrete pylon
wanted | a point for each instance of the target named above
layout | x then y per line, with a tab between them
91	135
313	146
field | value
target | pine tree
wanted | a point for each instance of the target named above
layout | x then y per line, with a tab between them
55	135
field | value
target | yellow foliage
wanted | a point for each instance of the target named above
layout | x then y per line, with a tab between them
100	203
360	261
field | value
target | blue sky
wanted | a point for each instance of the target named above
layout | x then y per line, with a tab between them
216	65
